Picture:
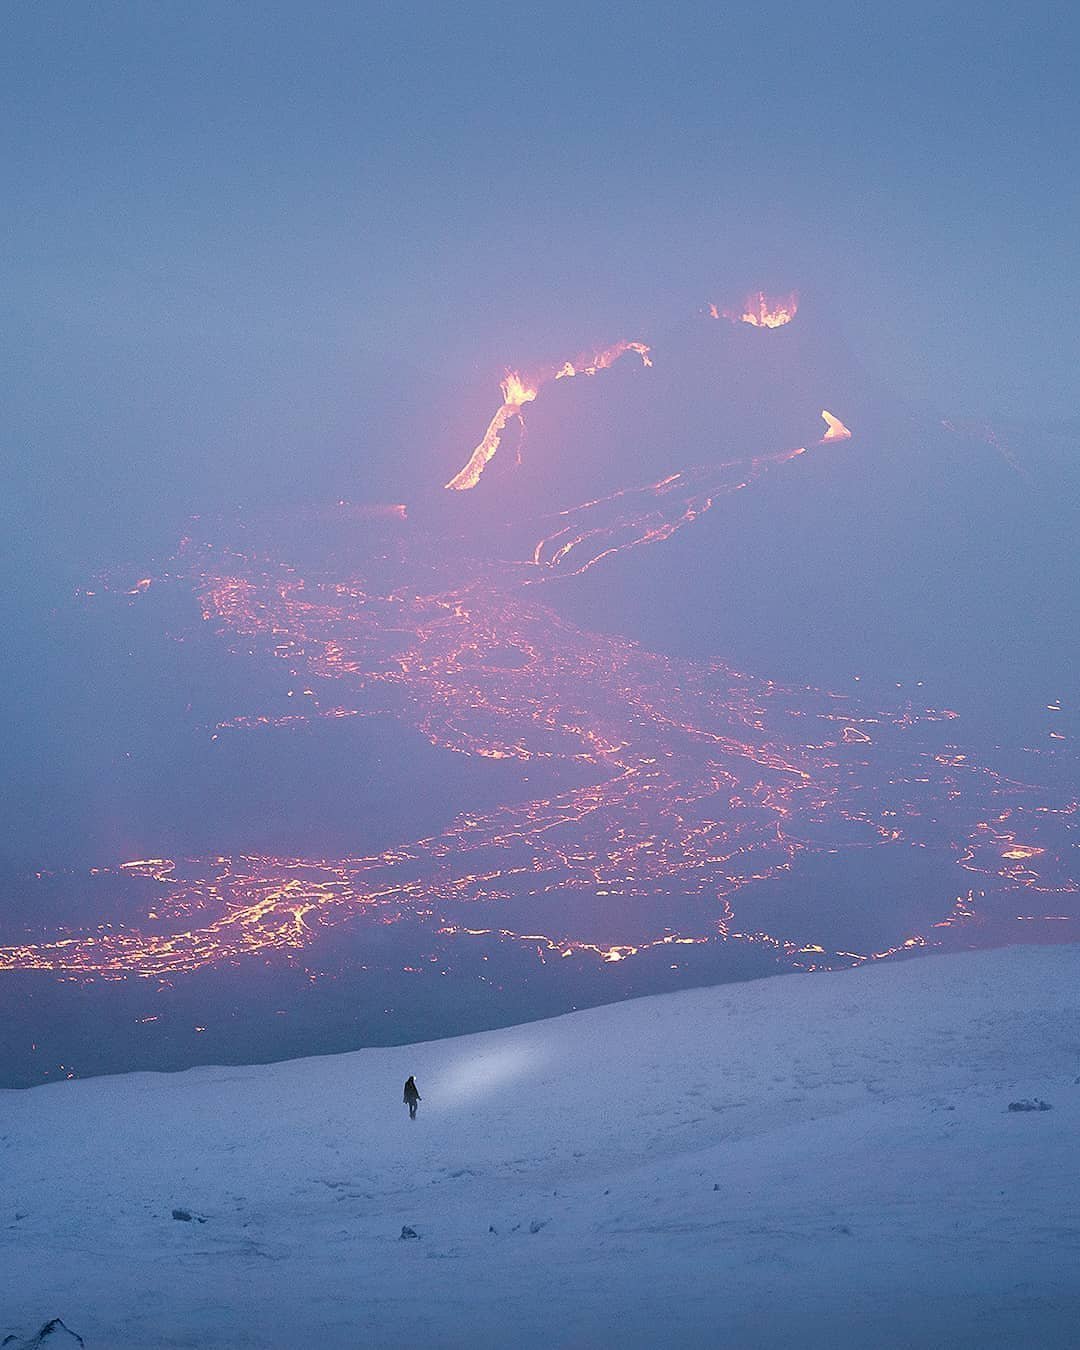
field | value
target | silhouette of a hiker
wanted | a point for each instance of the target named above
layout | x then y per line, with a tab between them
412	1096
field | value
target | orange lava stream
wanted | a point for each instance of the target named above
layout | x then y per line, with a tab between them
633	517
518	390
516	393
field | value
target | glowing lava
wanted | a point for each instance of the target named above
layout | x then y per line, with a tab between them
761	310
517	391
665	792
836	431
601	360
648	515
706	785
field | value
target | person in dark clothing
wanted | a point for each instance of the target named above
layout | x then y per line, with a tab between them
412	1096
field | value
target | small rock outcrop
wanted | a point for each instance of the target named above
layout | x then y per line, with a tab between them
53	1335
1030	1104
407	1232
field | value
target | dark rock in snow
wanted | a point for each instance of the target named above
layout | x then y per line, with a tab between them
407	1232
1030	1104
536	1225
492	1228
186	1216
54	1335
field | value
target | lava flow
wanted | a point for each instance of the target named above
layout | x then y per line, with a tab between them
518	390
761	310
705	788
516	393
649	515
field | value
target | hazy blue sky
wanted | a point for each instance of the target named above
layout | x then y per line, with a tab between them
231	229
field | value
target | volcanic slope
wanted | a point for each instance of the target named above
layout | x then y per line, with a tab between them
923	548
827	1160
706	391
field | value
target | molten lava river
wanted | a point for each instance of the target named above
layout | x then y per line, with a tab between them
697	823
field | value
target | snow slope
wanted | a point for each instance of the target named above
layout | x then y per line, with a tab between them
822	1160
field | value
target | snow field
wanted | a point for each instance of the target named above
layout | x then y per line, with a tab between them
822	1160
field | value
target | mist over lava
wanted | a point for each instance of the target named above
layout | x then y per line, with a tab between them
560	639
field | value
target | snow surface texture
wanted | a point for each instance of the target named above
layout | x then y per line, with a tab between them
824	1160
